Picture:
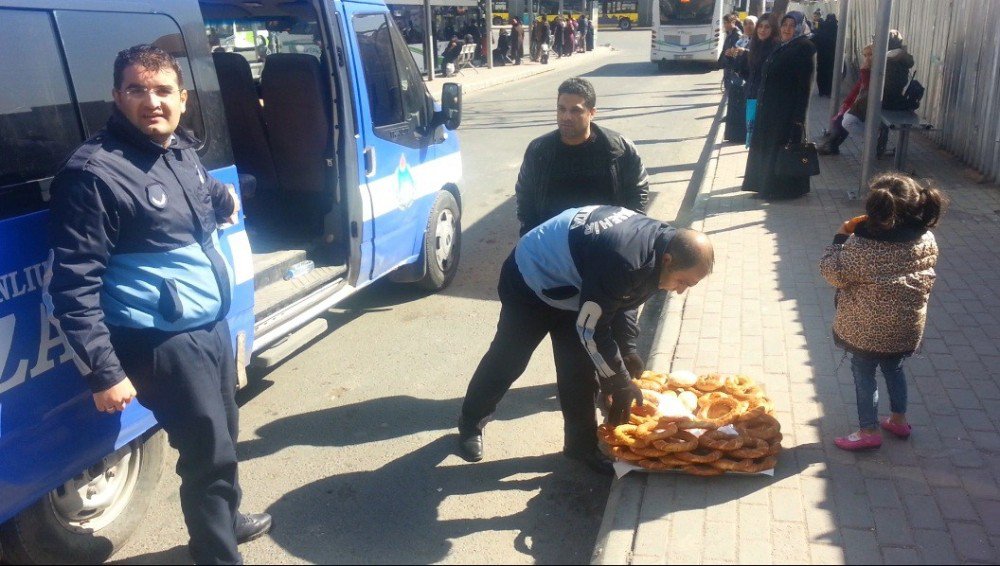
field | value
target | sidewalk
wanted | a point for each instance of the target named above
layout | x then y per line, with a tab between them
767	312
479	78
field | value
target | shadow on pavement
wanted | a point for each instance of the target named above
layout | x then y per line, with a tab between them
393	514
176	555
366	422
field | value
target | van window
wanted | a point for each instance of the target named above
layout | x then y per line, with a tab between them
92	42
381	78
38	125
415	97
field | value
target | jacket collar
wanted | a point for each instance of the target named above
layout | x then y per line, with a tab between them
663	237
609	139
120	127
899	234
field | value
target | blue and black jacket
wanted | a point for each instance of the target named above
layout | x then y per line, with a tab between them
601	261
134	244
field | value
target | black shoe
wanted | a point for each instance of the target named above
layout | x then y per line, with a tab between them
252	526
470	445
593	459
827	149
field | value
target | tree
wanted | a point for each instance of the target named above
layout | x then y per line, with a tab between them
756	7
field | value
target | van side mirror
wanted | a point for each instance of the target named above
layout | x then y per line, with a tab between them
450	115
451	105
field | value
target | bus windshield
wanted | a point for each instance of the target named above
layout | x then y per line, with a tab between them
686	12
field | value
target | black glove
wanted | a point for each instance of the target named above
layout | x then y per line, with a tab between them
621	401
635	364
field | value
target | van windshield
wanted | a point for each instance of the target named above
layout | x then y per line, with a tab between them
255	39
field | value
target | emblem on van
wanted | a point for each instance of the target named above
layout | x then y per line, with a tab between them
407	186
157	195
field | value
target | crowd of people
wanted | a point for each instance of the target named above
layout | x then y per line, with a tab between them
769	65
563	36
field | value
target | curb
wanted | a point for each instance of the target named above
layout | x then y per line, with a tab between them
616	536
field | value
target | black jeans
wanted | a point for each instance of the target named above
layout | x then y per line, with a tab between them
188	380
524	321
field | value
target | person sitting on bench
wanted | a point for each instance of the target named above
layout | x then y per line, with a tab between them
851	118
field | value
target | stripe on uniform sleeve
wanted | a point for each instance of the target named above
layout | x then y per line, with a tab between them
586	322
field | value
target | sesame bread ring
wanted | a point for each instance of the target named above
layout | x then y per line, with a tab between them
653	464
650	375
746	466
625	435
706	399
680	442
648	452
702	470
650	397
766	463
649	385
623	453
753	448
656	430
709	382
606	434
764	427
721	411
774	446
700	455
691	424
717	440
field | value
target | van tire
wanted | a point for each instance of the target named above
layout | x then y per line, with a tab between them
442	242
40	534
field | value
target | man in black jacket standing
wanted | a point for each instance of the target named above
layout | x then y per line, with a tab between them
140	290
578	164
574	278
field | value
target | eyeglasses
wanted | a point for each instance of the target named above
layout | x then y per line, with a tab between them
143	92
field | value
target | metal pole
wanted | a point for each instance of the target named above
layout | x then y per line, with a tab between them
838	60
428	42
874	117
489	34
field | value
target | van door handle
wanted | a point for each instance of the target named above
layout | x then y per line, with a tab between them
369	161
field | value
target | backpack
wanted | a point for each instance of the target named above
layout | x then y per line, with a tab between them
914	92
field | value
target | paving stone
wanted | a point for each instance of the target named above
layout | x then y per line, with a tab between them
861	547
971	541
882	493
954	504
827	554
853	510
893	555
989	512
794	543
923	512
891	527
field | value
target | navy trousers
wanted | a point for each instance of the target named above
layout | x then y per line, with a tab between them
188	380
524	322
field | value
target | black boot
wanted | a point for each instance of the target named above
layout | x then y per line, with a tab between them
831	145
470	444
252	526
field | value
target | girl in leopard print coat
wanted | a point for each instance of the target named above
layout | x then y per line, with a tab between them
882	265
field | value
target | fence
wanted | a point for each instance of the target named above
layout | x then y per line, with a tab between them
956	50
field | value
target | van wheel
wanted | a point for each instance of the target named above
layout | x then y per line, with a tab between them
91	516
442	242
624	24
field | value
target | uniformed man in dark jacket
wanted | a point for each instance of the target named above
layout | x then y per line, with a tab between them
140	290
574	277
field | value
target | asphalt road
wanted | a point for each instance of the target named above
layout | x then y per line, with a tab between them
350	443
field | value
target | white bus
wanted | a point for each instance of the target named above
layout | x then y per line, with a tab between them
688	30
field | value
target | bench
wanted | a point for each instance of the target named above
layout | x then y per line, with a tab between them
465	57
902	121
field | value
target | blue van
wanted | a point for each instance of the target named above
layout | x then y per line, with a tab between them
314	110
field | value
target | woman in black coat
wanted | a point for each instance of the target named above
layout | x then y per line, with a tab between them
825	40
782	105
751	63
736	125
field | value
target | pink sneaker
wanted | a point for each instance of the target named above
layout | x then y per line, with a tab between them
900	430
857	441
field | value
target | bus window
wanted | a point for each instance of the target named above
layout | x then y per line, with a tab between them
92	42
38	125
686	12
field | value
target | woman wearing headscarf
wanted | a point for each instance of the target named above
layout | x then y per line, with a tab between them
516	41
825	40
782	105
735	130
751	63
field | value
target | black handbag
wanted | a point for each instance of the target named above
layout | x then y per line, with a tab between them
797	158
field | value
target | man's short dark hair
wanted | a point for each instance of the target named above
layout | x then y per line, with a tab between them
728	19
582	88
685	251
148	57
